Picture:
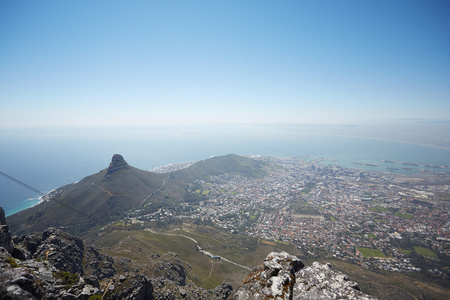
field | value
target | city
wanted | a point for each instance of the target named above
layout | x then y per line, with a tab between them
377	220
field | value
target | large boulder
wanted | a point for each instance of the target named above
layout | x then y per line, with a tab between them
2	216
274	279
5	235
63	250
320	281
284	276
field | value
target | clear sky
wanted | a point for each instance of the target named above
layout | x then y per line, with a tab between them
156	63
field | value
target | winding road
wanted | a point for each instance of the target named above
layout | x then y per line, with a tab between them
210	255
154	192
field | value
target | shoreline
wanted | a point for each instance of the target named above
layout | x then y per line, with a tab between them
388	140
344	159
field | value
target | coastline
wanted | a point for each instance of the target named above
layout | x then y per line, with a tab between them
343	150
386	140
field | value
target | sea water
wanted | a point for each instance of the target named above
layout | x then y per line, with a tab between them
45	162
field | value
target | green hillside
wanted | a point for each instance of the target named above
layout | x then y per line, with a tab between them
94	199
216	165
122	189
140	245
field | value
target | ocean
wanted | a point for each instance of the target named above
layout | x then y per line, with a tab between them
47	161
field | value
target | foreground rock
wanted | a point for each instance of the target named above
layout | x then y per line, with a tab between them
56	265
284	276
49	265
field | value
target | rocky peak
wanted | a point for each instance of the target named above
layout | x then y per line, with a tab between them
117	163
284	276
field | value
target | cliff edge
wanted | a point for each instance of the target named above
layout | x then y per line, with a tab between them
284	276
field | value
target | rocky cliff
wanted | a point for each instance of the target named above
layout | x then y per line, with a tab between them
56	265
284	276
117	163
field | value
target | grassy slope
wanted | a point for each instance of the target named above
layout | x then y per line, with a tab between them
94	198
138	245
204	272
221	164
98	198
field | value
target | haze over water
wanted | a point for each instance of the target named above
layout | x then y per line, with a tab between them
46	163
168	81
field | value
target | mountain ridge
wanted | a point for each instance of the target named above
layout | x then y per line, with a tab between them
120	189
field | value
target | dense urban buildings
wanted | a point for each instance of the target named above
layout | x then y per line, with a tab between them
377	220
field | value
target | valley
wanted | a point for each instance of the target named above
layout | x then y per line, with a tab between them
223	215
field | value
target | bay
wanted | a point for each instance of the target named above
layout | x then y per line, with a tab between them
47	161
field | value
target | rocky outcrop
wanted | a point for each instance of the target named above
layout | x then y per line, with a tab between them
169	268
320	281
138	288
19	282
49	265
62	250
56	265
97	266
273	279
5	235
284	276
2	217
169	281
117	163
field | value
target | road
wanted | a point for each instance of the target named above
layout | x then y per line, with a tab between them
210	255
154	192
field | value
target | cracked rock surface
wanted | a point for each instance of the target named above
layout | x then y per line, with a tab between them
284	276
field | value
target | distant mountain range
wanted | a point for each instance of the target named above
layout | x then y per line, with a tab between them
120	189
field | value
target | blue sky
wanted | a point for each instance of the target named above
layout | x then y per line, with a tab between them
159	63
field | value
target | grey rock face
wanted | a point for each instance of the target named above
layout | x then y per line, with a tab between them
2	217
141	289
273	279
62	250
42	258
5	235
170	268
5	238
223	291
283	276
98	265
320	281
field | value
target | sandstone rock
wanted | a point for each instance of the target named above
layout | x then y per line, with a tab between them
5	238
223	291
273	279
141	289
320	281
97	264
171	268
283	276
19	283
2	217
62	250
117	163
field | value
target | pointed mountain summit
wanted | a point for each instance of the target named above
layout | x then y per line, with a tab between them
122	189
117	163
95	199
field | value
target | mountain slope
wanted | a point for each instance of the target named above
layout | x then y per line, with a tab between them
120	189
216	165
95	198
